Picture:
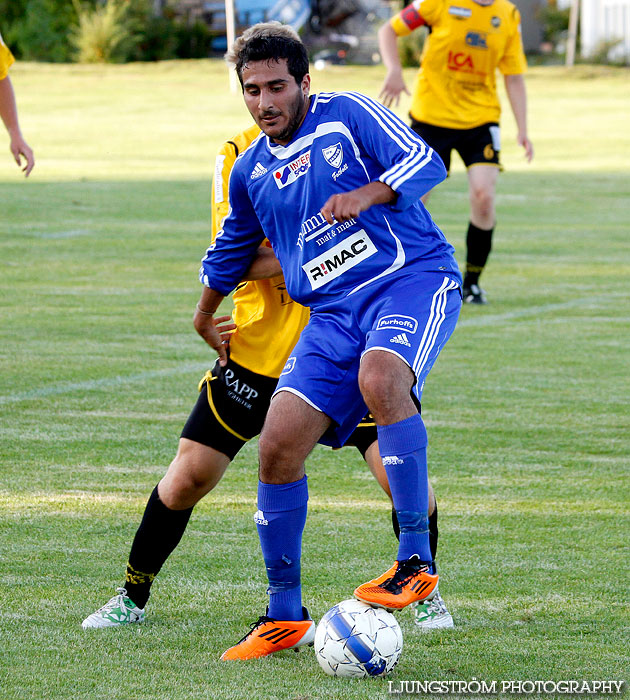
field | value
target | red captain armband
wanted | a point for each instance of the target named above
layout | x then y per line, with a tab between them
411	17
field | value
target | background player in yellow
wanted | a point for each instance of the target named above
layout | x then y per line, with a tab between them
9	114
455	103
229	411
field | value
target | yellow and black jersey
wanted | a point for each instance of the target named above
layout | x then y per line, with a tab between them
6	59
456	85
268	322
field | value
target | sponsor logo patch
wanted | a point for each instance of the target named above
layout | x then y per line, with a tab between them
477	40
406	323
288	174
334	155
339	259
460	61
288	368
259	518
258	171
459	12
401	339
238	386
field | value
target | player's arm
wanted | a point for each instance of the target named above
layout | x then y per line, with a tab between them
206	324
400	25
9	114
517	95
226	261
264	265
410	167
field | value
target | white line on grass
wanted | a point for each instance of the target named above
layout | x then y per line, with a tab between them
105	382
69	387
495	319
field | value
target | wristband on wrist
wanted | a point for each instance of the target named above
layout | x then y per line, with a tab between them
205	313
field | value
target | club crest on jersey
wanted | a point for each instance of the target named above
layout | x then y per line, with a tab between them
333	154
339	259
495	22
403	323
459	12
288	367
288	174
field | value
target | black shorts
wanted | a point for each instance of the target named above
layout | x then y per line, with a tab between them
478	146
232	406
364	435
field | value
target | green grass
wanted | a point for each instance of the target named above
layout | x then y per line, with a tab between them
527	409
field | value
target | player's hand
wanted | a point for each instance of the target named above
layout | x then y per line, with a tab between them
342	207
19	148
393	86
226	327
523	141
213	330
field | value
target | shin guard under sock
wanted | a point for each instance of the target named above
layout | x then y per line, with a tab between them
280	520
403	451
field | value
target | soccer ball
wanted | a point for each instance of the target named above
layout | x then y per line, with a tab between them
354	640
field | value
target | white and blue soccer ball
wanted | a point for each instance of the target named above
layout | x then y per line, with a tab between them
354	640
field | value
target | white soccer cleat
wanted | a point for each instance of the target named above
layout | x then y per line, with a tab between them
118	611
432	614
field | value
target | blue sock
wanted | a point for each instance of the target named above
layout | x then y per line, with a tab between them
280	520
403	448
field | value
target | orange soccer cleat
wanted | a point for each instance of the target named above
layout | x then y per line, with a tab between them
408	581
268	636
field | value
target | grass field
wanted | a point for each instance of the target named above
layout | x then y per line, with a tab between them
527	410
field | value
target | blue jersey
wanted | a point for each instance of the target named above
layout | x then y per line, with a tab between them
345	141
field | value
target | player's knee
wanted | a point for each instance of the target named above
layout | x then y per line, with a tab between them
184	485
482	200
374	388
277	459
182	492
383	379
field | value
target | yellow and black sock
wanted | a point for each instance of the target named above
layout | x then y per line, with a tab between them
159	533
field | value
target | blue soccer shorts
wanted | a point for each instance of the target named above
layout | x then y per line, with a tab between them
410	313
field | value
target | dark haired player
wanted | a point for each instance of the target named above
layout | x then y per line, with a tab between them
334	182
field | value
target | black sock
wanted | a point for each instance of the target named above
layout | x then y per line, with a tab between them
395	524
433	532
478	247
433	529
159	533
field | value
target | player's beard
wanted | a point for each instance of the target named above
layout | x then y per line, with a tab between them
296	114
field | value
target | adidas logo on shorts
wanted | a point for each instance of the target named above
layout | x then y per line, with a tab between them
401	339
